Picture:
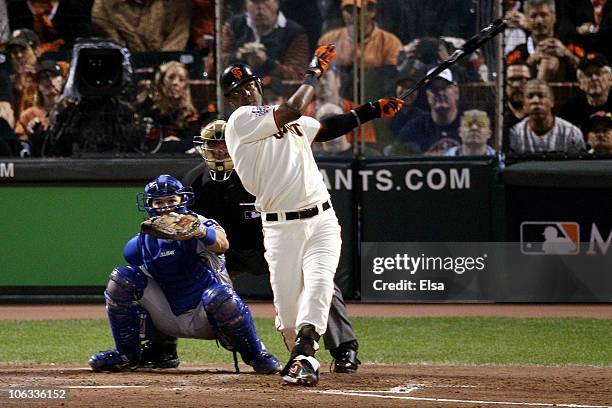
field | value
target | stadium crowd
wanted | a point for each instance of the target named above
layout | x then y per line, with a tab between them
143	67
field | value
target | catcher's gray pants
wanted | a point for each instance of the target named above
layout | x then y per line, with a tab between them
192	324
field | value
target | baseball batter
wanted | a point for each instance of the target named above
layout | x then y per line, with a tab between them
270	148
219	194
183	286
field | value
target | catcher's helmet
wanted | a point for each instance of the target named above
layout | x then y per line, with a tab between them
164	186
211	146
237	74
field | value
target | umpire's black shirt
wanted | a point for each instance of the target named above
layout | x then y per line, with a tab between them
228	203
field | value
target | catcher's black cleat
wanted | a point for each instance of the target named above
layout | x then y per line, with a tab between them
111	361
345	361
158	355
301	370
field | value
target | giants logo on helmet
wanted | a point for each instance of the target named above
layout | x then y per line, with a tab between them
237	72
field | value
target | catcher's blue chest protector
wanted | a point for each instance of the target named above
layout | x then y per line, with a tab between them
176	266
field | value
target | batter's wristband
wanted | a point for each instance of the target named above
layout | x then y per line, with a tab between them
211	236
367	112
310	79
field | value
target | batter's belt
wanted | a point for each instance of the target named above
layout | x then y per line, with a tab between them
297	215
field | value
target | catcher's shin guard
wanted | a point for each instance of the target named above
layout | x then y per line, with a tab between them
233	323
124	289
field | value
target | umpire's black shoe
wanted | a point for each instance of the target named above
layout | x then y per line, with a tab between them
157	355
345	360
302	370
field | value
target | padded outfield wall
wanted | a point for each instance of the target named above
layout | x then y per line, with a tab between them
65	222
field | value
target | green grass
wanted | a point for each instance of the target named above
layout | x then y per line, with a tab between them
472	340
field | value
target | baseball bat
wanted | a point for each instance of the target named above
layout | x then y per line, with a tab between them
470	46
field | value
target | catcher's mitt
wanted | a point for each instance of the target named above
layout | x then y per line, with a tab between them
178	227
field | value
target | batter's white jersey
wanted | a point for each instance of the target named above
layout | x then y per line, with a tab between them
275	164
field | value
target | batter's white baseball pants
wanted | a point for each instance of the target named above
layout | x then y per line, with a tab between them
303	256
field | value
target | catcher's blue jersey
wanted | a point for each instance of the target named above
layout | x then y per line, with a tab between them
183	269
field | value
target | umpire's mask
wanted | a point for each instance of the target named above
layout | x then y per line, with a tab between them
210	144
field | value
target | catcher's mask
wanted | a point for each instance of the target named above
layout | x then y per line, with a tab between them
164	186
237	74
211	146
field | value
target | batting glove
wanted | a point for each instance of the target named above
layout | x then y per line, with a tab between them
389	107
321	60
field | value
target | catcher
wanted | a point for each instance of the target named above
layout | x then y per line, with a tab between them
176	282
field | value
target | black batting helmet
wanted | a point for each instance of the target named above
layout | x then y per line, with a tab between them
237	74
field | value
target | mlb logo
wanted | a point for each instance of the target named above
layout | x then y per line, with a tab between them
550	238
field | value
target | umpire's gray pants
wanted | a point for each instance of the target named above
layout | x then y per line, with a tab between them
339	329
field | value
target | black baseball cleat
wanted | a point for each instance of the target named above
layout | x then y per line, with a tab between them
345	361
302	371
156	355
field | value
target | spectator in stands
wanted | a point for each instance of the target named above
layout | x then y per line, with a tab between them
266	40
428	51
595	81
6	98
202	26
547	56
34	121
57	23
541	131
380	47
328	92
331	15
168	113
234	7
274	92
23	50
517	75
308	15
475	132
411	109
599	133
144	25
412	19
339	147
586	22
437	131
8	140
515	33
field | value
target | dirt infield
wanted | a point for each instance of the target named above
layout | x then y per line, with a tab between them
373	386
265	309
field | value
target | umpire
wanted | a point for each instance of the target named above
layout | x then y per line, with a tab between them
220	195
